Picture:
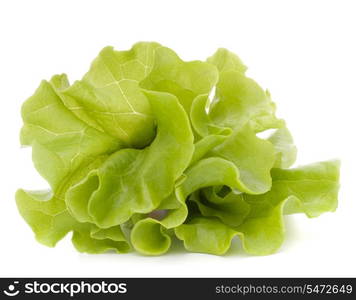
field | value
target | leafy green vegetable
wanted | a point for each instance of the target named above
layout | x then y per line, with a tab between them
137	155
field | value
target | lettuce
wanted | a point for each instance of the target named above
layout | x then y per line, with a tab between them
137	154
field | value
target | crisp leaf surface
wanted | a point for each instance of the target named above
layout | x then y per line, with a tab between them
240	100
185	80
109	94
136	181
311	189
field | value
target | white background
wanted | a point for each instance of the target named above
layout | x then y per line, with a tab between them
303	51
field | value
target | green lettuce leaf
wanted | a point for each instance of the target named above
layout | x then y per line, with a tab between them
137	156
286	151
225	60
64	150
240	100
109	94
60	141
207	172
136	181
236	146
185	80
47	215
51	221
201	121
90	239
149	237
231	209
254	167
206	235
310	189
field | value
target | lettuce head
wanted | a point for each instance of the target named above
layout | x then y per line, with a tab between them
147	149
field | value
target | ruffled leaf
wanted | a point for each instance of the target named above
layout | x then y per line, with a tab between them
311	189
136	181
286	151
254	167
201	121
50	221
109	94
185	80
225	60
231	209
254	158
240	100
207	235
90	239
60	141
148	237
45	214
